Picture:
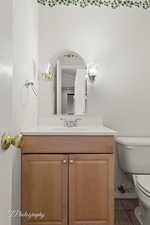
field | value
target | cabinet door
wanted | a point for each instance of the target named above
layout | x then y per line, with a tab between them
44	189
91	189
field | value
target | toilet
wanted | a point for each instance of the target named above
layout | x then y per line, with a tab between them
134	158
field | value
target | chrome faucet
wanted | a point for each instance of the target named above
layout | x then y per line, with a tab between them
71	122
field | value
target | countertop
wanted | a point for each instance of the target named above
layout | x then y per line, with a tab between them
95	131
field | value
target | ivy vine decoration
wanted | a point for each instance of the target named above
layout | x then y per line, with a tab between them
145	4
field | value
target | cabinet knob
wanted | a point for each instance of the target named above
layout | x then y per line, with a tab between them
64	161
71	161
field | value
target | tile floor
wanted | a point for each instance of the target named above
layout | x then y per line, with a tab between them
124	212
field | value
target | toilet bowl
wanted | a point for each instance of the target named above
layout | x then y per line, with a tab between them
134	158
142	187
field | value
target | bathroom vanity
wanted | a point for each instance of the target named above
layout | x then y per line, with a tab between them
67	175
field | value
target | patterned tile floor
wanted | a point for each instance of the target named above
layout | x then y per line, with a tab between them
124	212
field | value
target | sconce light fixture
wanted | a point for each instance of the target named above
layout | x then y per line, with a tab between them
92	72
48	75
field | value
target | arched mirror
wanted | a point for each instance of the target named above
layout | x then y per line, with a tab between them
66	75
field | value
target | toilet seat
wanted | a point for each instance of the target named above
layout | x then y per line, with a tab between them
143	183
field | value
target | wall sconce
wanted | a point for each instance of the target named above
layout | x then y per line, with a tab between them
92	72
48	75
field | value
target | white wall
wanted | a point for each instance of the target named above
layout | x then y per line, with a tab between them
25	59
119	41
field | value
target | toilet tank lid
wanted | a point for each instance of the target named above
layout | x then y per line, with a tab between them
136	141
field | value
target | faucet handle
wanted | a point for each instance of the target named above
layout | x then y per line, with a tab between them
78	119
70	122
66	122
62	118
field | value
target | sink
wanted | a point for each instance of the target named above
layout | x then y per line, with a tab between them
70	128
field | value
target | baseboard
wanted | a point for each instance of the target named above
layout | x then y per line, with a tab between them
125	195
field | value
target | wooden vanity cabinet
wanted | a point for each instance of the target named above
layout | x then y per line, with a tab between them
45	188
70	189
91	189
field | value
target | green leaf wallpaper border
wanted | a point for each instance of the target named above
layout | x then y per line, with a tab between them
99	3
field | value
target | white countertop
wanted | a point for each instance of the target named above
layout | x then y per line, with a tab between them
99	131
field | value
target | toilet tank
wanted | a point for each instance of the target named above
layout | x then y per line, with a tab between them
134	154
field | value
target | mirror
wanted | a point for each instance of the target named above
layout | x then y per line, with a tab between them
65	80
